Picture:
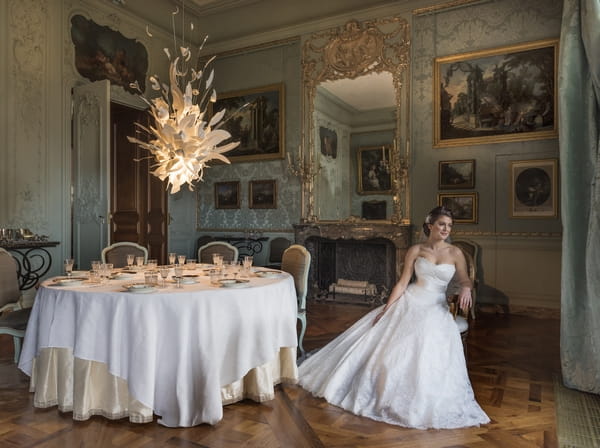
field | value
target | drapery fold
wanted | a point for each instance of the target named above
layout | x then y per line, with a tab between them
579	108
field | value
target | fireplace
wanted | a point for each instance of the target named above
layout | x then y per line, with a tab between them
353	252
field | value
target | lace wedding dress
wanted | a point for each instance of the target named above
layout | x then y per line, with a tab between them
408	369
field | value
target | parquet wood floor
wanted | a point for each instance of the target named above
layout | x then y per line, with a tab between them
511	360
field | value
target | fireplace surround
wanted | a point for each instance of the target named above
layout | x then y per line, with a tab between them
353	251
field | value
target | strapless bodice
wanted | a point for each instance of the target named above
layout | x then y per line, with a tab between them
433	277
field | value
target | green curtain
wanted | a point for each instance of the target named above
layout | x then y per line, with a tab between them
579	113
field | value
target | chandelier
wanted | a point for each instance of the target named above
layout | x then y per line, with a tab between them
183	139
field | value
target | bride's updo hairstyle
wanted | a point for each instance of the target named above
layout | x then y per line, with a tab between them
433	217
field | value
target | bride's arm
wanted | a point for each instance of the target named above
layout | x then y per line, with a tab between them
400	287
464	297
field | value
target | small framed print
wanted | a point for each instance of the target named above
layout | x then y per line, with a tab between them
456	174
463	206
534	188
263	194
227	194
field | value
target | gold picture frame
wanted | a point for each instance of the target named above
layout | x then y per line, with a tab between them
374	170
262	193
499	95
259	126
456	174
464	206
534	188
227	194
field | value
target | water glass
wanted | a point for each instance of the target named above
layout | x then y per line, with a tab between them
151	278
181	259
139	261
190	264
94	276
217	260
172	258
178	274
164	273
96	265
151	264
130	260
69	266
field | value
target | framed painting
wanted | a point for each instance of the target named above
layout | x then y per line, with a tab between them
463	206
103	53
499	95
227	194
328	139
534	188
374	174
456	174
255	118
263	194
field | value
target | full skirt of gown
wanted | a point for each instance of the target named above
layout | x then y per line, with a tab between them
408	369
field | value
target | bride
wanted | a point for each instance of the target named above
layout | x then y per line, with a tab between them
403	363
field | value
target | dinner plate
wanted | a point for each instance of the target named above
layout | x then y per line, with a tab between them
123	275
139	288
234	283
189	279
267	274
68	281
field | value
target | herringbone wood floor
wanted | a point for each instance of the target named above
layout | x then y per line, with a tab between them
511	360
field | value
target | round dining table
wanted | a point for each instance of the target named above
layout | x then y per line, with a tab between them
176	351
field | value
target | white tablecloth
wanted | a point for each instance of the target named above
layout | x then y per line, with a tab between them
174	348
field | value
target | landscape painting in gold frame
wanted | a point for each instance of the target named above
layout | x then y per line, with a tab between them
534	188
463	206
498	95
256	120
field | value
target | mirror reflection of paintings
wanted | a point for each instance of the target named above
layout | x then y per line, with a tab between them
456	174
463	206
374	175
328	139
263	194
534	188
255	120
102	53
227	194
497	95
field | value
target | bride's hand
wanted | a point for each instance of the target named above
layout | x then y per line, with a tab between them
464	299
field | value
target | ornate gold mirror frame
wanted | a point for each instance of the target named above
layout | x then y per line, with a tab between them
350	51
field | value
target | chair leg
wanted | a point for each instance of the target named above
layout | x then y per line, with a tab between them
302	318
17	345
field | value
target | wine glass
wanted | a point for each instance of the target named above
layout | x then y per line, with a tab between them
164	273
139	261
69	266
218	260
130	260
181	259
172	258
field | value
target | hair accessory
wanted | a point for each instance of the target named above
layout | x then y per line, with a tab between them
428	219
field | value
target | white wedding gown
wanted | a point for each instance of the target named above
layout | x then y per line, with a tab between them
408	369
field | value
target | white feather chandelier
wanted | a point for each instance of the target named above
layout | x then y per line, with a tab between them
183	140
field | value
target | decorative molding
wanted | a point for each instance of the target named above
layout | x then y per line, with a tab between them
446	6
244	231
251	48
458	233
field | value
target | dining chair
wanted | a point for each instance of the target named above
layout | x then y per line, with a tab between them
461	317
296	261
276	248
472	249
13	317
229	252
117	253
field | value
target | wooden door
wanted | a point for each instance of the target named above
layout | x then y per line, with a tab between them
138	198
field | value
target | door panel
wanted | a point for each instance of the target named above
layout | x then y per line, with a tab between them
90	166
139	199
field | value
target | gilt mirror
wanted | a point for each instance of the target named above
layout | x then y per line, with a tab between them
355	149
